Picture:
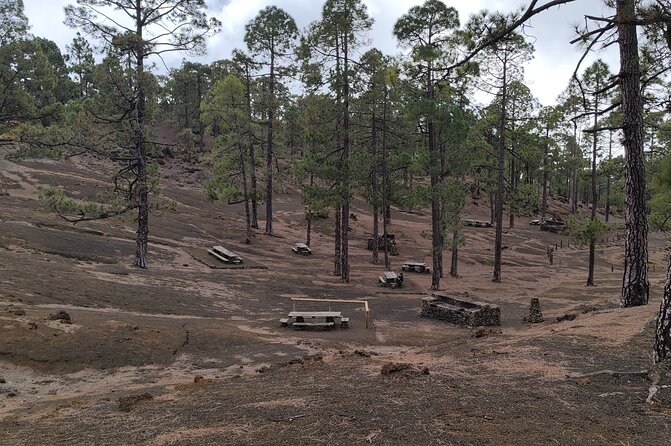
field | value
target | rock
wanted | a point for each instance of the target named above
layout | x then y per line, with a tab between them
482	332
566	317
2	380
16	311
62	316
395	367
535	314
363	353
198	378
127	403
32	325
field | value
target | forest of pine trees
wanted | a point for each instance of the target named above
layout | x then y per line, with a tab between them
320	111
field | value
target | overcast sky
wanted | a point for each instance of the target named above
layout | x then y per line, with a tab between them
547	75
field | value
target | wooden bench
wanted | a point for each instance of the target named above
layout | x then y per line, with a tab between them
344	322
284	321
225	255
327	325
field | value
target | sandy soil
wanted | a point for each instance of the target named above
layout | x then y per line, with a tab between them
185	354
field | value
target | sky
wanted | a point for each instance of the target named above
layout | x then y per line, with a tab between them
546	75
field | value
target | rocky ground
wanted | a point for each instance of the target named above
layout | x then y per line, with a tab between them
184	354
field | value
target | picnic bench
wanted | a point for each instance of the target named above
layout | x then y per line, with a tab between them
419	267
224	255
314	319
301	248
478	223
390	279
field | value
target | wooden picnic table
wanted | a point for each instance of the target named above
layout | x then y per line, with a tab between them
329	318
314	314
419	267
224	254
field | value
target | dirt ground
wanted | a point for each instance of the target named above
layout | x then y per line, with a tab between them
185	354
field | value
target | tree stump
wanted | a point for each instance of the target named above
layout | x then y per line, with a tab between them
535	314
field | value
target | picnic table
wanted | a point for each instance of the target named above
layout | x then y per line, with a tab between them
419	267
323	319
478	223
301	248
390	279
225	255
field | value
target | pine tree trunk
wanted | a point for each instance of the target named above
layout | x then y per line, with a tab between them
201	124
513	186
308	230
374	188
253	186
269	149
544	205
610	156
635	285
574	155
434	166
252	155
344	273
492	208
337	258
385	183
455	254
592	240
498	240
245	191
141	152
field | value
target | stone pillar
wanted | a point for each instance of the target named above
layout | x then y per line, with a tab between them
535	314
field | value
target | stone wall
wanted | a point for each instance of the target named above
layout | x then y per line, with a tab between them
460	312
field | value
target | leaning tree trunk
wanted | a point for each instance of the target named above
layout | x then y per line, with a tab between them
662	347
141	155
635	285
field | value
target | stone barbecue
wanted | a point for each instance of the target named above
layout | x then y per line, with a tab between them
460	311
